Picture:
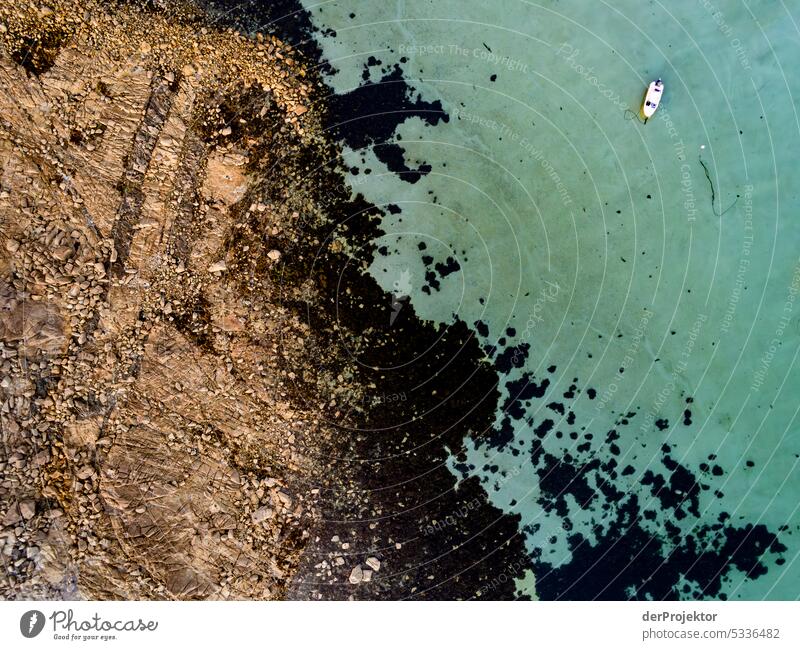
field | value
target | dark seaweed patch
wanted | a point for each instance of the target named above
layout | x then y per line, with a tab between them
627	562
393	156
513	357
370	113
449	266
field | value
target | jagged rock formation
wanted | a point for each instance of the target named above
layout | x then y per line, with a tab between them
153	443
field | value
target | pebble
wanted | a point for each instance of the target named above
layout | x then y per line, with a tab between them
356	575
27	508
262	514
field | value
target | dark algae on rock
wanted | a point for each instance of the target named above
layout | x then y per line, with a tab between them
393	494
388	493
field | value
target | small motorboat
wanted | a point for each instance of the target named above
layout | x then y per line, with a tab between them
652	98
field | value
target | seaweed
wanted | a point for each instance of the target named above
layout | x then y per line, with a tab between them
713	193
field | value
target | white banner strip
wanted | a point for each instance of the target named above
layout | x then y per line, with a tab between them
386	626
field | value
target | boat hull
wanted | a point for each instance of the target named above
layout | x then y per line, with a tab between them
651	100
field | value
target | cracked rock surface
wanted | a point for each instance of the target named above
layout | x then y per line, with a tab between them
151	445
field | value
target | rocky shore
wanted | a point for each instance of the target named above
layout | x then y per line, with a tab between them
196	368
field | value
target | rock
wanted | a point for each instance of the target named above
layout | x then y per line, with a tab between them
374	563
223	521
231	323
226	181
12	517
133	404
262	514
62	253
27	508
356	575
83	432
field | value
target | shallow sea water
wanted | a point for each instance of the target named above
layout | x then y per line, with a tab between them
638	335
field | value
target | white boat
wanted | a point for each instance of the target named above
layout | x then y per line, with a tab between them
652	98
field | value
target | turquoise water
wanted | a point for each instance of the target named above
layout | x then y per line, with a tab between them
594	237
